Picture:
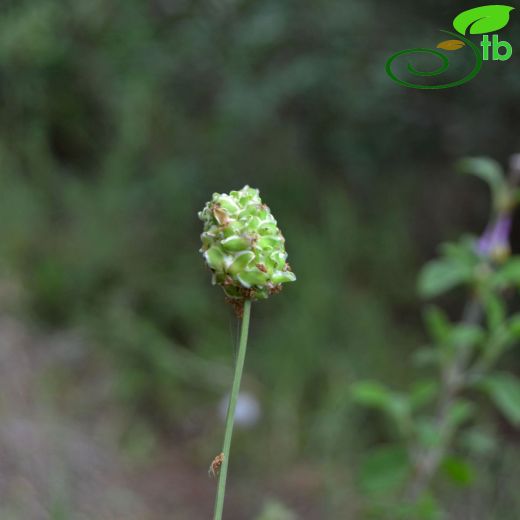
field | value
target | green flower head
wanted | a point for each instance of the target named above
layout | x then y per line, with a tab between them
243	246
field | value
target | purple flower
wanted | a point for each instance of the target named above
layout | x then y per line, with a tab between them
494	242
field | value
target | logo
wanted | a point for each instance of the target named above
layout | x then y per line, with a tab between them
480	20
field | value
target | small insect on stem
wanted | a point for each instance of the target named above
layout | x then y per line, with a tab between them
214	467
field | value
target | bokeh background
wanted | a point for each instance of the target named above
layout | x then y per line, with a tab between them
118	120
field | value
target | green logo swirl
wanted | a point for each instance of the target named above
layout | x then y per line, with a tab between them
439	70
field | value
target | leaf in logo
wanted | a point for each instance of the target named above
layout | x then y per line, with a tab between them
482	20
451	45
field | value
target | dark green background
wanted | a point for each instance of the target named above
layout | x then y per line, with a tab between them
120	118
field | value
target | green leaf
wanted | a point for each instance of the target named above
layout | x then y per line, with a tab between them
439	276
437	323
267	228
486	169
235	243
504	390
427	432
241	261
513	325
384	469
427	508
464	335
508	274
269	241
481	20
499	340
459	471
283	276
423	393
478	442
459	412
426	356
371	393
252	277
495	310
215	258
462	251
374	395
228	203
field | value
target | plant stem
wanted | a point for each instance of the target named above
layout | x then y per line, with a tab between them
230	418
452	381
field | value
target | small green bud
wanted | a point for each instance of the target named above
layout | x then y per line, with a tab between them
243	246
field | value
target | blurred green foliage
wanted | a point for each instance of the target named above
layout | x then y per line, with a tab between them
119	119
440	408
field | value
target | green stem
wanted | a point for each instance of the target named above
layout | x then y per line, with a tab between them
221	490
452	381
